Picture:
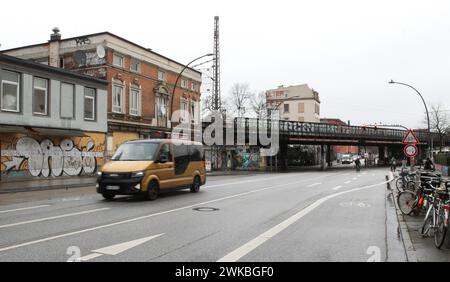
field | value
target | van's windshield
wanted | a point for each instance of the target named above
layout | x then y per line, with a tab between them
136	152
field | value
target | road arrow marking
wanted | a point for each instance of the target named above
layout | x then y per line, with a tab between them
118	248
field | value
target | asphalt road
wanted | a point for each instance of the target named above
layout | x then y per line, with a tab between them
337	215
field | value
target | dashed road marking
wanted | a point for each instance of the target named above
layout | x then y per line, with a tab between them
27	208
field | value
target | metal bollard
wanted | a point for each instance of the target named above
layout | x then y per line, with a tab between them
388	183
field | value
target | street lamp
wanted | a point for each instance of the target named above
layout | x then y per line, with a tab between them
430	155
176	82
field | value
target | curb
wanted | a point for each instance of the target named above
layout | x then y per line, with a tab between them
402	227
39	188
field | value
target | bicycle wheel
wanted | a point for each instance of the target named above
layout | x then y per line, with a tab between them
410	185
440	230
400	184
407	201
427	222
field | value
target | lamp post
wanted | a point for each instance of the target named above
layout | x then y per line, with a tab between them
430	155
176	82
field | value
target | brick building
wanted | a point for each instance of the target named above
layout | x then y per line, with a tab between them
341	149
140	82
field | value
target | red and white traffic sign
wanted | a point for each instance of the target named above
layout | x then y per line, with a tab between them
410	151
410	138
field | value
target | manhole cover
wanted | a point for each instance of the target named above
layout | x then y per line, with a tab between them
205	209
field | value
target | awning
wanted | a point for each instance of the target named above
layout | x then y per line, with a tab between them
59	132
12	129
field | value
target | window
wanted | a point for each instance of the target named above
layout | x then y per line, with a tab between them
193	111
184	111
89	104
161	75
40	96
196	153
67	100
182	158
135	100
286	108
183	83
117	98
135	65
118	60
10	90
301	108
165	151
193	86
317	110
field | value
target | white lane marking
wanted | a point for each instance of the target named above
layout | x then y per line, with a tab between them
337	188
52	217
261	239
354	178
347	182
148	216
315	184
118	248
27	208
245	181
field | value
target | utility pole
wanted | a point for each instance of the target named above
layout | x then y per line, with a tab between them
216	101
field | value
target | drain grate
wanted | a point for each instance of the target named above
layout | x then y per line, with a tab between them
205	209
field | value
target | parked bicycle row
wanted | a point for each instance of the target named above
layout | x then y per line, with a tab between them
425	193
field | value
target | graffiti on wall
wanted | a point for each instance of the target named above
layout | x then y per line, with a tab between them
44	158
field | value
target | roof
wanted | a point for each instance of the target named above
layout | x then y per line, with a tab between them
335	121
42	67
110	34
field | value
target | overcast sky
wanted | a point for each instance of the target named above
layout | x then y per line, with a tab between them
345	50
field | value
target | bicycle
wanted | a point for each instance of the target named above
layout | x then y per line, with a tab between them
436	219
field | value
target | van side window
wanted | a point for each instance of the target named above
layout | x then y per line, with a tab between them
196	153
181	158
165	151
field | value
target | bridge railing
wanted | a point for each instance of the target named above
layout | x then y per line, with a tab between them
319	130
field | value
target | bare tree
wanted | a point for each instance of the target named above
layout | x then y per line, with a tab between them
259	104
239	98
439	122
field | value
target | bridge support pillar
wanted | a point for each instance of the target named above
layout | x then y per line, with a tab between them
329	162
323	157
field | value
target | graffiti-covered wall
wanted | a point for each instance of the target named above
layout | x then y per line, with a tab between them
39	156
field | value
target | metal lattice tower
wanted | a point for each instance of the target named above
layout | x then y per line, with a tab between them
216	102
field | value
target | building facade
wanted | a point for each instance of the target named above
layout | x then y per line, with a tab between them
52	122
294	103
141	82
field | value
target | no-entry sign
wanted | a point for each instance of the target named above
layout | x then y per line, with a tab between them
410	151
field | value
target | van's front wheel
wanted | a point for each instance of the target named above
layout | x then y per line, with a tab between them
195	185
152	191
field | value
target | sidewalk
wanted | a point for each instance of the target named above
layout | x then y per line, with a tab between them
420	248
46	184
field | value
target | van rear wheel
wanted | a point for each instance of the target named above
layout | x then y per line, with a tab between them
196	185
152	191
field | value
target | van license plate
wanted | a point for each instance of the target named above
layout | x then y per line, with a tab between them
112	187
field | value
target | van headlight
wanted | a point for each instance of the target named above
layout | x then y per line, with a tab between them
137	174
99	173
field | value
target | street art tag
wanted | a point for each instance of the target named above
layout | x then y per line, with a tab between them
44	158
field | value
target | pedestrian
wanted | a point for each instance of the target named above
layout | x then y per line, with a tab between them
429	164
358	164
393	164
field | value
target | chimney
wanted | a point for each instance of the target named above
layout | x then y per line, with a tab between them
56	36
55	39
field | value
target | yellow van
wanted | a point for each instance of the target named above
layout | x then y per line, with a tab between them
148	167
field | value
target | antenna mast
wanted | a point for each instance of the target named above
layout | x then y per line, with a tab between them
216	103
